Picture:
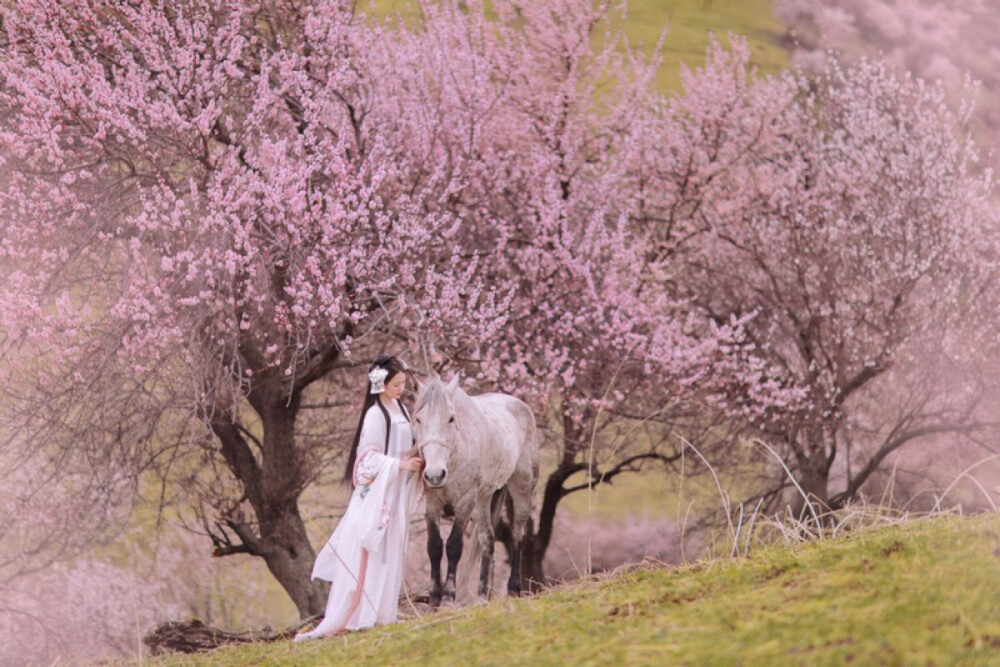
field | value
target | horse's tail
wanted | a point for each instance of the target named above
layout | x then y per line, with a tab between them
469	568
467	577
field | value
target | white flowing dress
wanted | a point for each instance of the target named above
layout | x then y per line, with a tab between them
376	520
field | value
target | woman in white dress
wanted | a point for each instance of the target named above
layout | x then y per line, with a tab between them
364	557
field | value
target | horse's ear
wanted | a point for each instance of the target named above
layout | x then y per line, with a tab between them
453	384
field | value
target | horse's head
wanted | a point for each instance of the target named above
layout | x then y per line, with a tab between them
435	428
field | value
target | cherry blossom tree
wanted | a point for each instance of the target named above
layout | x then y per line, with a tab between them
206	207
554	126
859	235
770	248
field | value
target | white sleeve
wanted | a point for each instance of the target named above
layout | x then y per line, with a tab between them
371	446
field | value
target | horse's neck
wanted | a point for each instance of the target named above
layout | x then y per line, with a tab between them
471	423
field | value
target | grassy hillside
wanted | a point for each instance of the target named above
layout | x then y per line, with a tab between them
689	24
926	592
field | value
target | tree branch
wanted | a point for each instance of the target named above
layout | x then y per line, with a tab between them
892	445
625	465
239	458
224	546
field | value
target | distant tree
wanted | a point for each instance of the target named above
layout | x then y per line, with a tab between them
51	513
858	237
937	41
46	520
81	611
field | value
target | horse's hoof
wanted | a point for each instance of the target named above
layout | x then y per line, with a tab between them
435	601
513	591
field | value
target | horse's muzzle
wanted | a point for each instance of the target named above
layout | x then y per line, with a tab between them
435	478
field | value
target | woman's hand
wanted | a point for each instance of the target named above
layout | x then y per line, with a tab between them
414	464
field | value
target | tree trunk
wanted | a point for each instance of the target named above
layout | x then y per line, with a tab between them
537	542
288	554
532	569
814	483
290	557
272	483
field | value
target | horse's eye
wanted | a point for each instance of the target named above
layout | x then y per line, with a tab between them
451	419
417	420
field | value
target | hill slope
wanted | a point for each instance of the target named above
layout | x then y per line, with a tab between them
925	592
689	24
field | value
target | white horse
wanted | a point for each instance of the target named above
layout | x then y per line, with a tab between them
475	449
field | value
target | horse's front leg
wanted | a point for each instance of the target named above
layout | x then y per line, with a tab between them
454	553
435	549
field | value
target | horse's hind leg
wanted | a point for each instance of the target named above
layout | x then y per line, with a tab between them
520	512
487	540
435	549
487	513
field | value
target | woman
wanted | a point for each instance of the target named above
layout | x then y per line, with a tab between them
364	558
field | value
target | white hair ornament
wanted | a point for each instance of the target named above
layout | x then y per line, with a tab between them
377	377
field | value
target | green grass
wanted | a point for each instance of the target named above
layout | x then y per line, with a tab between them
689	24
925	592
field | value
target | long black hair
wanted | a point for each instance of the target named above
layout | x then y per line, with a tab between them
394	366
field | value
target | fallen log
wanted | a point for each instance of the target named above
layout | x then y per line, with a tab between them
194	636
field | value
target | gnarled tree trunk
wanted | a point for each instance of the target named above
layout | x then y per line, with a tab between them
272	482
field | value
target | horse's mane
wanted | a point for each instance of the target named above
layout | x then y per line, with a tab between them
433	391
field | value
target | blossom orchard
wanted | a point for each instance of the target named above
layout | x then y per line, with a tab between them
98	605
210	209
